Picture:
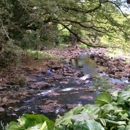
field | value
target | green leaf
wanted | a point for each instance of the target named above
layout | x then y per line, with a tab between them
110	109
36	119
103	121
128	126
115	93
31	122
15	126
77	110
125	95
103	98
127	88
122	127
44	126
82	117
35	127
65	120
87	125
93	109
116	122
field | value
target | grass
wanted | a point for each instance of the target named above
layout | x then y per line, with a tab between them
83	46
118	53
43	55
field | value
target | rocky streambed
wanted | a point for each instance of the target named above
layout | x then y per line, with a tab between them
60	87
116	67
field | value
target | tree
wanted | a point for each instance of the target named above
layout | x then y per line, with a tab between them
31	23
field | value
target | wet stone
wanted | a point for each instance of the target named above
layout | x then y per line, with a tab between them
70	106
39	85
2	88
49	106
54	94
86	97
2	110
12	102
58	77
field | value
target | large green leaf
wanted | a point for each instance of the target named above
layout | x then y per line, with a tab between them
65	120
36	127
15	126
83	116
110	108
93	109
103	98
44	126
125	95
31	122
35	119
87	125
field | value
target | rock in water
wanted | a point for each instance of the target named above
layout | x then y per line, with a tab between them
48	73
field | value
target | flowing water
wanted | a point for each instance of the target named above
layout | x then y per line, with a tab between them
63	96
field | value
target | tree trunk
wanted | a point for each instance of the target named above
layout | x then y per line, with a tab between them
74	41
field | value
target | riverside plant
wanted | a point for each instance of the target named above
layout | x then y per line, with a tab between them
110	112
45	56
101	84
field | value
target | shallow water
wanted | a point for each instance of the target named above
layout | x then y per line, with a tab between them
63	94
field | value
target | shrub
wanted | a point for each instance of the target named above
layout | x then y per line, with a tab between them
11	54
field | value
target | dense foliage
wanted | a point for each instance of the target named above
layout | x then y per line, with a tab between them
34	21
110	112
32	122
36	24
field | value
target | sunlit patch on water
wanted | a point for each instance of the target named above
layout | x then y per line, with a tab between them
79	103
87	76
120	81
67	89
114	80
45	92
57	110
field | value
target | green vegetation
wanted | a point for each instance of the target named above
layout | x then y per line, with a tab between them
101	84
19	79
40	24
12	54
83	46
110	112
31	122
45	56
119	53
34	25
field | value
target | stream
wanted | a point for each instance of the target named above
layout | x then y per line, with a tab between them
63	95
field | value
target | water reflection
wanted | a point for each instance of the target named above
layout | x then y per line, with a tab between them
88	65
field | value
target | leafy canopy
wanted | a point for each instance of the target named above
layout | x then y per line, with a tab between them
36	22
